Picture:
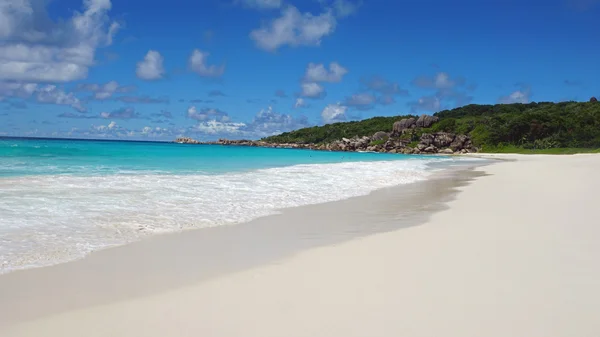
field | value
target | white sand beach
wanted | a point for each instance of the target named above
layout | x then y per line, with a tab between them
516	253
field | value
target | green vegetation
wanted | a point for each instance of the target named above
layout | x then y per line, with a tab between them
378	142
330	132
545	127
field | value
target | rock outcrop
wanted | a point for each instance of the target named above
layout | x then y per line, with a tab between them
426	121
186	140
403	124
380	136
593	99
399	141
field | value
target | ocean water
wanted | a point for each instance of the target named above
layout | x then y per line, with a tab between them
62	199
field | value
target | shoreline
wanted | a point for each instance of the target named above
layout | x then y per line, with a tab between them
306	180
234	247
509	250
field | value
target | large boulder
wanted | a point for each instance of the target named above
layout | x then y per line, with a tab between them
593	99
380	136
459	142
427	139
426	121
443	139
403	124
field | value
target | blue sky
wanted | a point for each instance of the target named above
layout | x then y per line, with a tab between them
251	68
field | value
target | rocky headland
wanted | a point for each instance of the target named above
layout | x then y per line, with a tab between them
407	137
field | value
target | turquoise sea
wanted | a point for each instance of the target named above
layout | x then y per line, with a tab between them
62	199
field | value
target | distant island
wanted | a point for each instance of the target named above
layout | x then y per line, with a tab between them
544	127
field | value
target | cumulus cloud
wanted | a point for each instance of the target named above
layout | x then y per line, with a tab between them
268	122
19	90
53	95
207	114
47	94
151	67
361	101
440	80
523	95
312	90
35	48
123	113
375	90
300	103
198	64
111	128
333	113
213	124
106	90
448	90
383	86
426	103
319	73
345	8
294	29
214	127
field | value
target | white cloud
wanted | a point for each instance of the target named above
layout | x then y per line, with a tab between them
519	96
334	113
53	95
440	80
111	126
448	90
268	122
48	94
213	127
207	114
345	8
426	103
37	49
262	4
319	73
300	103
123	113
361	101
294	29
106	90
312	90
151	67
20	90
198	64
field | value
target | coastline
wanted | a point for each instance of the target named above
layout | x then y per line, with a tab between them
233	248
514	253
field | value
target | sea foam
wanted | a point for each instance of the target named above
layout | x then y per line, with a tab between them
49	219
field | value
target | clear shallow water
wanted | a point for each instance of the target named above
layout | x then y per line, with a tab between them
61	199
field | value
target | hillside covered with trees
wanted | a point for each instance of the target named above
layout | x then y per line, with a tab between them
500	127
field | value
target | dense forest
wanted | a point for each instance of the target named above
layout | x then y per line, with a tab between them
543	125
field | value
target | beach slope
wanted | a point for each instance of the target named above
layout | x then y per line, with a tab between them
517	253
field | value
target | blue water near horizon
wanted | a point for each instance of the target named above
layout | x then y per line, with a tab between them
43	156
62	199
